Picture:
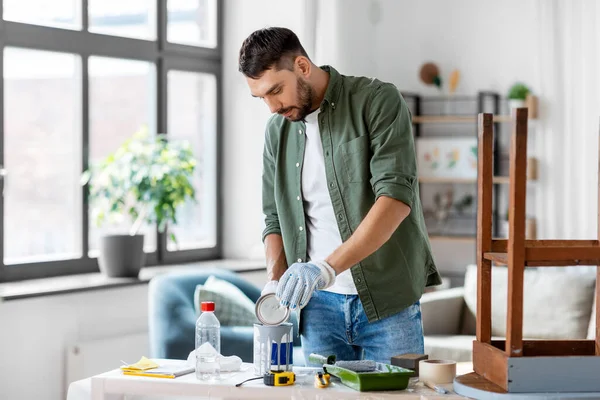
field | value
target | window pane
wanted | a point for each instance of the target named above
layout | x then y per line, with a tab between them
130	18
192	99
56	13
192	22
42	128
122	101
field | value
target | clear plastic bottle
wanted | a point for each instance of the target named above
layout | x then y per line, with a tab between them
208	330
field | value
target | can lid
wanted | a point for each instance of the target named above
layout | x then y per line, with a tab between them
207	306
269	311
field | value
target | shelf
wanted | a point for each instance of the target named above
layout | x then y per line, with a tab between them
458	119
462	239
501	180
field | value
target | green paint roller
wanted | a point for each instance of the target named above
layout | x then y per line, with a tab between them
353	365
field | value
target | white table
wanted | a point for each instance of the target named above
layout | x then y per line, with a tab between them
113	385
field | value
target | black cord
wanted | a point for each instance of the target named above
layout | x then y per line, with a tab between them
251	379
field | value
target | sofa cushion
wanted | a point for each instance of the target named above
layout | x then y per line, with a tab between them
232	306
556	304
449	347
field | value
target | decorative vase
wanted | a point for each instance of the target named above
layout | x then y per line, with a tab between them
121	255
515	103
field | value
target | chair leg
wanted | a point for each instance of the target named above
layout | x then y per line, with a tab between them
484	226
516	235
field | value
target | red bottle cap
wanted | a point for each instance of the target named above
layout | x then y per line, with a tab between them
207	306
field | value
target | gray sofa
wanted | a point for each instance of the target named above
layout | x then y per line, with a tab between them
558	304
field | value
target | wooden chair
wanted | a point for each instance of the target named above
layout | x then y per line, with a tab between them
515	365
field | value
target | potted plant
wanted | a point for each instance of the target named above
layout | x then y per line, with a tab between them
517	95
145	180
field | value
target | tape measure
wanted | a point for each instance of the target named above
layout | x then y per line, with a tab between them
275	378
279	378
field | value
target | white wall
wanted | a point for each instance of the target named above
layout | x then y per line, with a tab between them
244	122
36	333
491	43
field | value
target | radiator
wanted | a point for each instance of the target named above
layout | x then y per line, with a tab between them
85	359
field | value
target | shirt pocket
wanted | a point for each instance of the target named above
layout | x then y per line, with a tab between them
356	156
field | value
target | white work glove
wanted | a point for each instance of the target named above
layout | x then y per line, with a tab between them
298	283
270	287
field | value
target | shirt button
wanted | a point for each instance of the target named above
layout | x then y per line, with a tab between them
297	197
332	185
300	131
299	260
341	216
297	165
358	280
301	228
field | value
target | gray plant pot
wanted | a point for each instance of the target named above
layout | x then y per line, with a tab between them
121	255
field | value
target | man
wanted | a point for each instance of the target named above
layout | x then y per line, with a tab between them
341	203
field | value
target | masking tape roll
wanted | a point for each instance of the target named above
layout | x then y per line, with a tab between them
437	371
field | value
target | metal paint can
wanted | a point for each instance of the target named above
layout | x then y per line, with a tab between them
269	312
273	348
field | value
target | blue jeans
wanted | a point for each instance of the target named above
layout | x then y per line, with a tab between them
336	324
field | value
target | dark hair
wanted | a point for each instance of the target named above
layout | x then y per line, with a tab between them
269	48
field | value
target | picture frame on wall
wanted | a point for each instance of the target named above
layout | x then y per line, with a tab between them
447	157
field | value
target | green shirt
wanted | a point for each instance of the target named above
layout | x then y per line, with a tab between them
368	146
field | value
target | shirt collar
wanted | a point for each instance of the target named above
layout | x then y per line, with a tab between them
333	88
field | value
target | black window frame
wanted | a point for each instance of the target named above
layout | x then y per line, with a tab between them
165	56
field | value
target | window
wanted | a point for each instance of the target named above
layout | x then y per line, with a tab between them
192	22
122	100
75	84
130	18
42	154
57	13
192	116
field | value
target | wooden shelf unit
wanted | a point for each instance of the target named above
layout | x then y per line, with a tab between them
463	239
454	119
482	101
532	103
501	180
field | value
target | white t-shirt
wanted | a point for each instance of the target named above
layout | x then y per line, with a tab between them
321	225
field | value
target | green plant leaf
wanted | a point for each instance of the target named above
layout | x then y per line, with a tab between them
174	239
518	91
146	177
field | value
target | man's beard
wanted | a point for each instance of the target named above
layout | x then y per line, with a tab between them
305	99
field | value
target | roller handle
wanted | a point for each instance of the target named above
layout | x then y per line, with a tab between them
319	359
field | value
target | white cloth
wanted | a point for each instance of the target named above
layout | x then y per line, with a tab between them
321	225
226	363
